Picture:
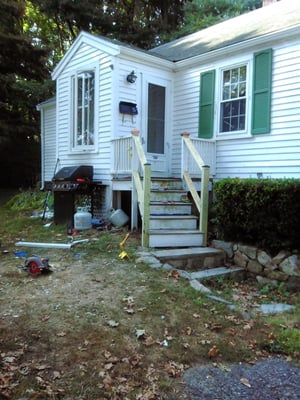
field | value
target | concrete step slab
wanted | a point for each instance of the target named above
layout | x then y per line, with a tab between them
215	272
192	259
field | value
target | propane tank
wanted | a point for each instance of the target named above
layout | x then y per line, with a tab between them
82	219
118	217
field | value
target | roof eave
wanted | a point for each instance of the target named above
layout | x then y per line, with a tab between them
85	37
146	58
209	56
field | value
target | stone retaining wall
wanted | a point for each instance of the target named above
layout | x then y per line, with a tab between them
284	267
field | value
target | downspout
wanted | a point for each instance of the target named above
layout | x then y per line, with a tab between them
42	183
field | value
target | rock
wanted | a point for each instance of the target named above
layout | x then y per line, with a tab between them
278	276
147	259
225	246
184	274
250	251
293	284
199	287
167	267
265	281
255	267
275	308
282	255
290	266
264	259
270	268
240	259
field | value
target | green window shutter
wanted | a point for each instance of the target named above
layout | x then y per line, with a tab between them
206	107
261	99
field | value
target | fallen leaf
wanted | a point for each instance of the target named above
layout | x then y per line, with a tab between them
42	367
129	311
107	354
175	274
245	382
129	300
140	333
232	331
149	341
56	375
135	360
10	359
216	327
213	352
108	366
188	331
174	369
112	324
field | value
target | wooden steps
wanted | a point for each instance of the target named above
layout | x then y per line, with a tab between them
172	222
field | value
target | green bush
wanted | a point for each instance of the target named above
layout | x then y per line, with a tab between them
261	212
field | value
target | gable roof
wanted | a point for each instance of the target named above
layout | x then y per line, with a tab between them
273	18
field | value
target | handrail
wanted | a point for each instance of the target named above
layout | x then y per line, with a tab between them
142	186
200	202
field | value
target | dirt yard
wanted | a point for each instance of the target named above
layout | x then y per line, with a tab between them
102	327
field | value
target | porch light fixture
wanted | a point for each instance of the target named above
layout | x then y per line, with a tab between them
131	78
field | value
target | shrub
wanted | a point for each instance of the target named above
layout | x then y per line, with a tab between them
261	212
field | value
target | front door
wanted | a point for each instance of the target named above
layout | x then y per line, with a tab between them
155	137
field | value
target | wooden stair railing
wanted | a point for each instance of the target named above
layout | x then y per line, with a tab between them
142	186
200	202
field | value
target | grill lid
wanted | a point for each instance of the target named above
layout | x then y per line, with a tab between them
74	172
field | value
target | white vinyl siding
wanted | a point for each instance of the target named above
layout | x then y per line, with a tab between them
48	140
185	112
276	154
100	155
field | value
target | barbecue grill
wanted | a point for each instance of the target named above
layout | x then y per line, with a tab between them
68	184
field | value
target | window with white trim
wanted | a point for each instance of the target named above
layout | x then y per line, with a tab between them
83	110
233	99
225	94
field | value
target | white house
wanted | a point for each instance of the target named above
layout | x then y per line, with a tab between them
233	87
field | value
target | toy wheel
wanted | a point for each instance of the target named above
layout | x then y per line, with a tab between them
33	268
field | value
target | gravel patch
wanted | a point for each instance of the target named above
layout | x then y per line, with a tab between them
274	379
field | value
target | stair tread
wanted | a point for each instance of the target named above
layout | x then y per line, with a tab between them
175	253
170	203
176	231
170	190
173	216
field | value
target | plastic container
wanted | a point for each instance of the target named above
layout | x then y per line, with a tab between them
118	218
82	219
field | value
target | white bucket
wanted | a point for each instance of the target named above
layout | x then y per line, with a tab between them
82	219
118	217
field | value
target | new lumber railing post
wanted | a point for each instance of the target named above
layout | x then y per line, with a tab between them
146	212
142	186
203	224
202	203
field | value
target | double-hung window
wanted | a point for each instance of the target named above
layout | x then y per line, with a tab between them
225	93
233	99
83	110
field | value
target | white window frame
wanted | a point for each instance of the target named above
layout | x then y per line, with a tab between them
74	77
219	99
